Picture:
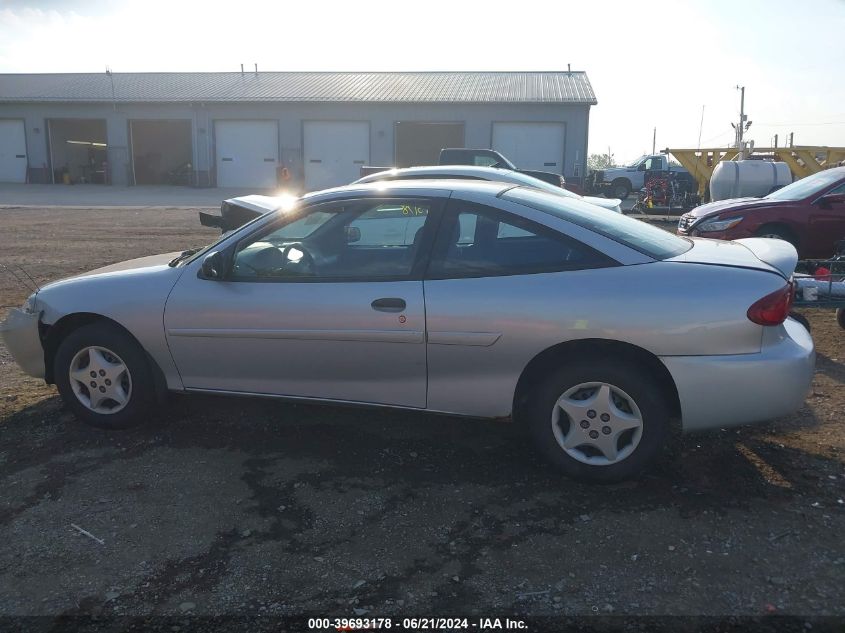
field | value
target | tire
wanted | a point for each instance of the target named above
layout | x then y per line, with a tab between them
107	348
778	232
797	316
840	317
620	188
550	425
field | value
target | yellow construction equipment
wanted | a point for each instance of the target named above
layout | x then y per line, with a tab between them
803	160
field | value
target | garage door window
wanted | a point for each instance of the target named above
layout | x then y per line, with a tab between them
478	241
354	241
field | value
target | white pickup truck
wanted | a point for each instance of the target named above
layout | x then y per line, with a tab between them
618	182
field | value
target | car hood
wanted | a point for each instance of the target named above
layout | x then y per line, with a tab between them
141	265
756	252
135	265
617	170
732	204
605	203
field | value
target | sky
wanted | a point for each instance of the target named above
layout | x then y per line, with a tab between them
650	64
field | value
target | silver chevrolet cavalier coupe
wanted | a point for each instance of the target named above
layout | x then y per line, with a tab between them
597	331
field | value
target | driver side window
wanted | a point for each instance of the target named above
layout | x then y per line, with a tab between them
361	240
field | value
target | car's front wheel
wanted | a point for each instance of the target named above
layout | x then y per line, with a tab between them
600	421
103	376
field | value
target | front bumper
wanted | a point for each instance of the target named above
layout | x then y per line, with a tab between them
20	334
721	391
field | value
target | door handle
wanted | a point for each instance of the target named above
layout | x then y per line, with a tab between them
389	304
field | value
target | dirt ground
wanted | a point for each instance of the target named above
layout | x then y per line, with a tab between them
233	506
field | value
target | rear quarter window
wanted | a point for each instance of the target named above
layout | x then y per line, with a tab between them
635	234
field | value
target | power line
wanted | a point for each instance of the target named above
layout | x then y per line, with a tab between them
713	138
801	124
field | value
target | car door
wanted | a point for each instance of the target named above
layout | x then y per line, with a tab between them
493	290
326	304
826	223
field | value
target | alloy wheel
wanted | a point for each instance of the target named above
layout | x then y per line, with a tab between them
597	423
100	380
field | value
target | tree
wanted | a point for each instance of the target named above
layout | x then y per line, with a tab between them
600	161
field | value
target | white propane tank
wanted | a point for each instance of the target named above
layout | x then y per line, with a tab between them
747	178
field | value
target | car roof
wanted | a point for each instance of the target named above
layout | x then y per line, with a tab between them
431	187
261	204
440	187
488	173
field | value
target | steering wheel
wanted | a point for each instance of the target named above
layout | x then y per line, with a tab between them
305	263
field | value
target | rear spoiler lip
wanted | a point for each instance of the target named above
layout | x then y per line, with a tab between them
213	221
232	216
779	254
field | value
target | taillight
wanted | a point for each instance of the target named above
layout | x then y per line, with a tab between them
773	308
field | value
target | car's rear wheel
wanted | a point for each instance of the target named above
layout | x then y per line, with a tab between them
600	421
104	377
621	188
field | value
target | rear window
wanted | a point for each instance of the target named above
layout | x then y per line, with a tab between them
635	234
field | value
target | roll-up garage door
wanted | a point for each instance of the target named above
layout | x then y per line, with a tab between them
334	152
419	142
247	153
531	145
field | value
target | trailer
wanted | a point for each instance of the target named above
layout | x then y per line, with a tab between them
821	284
803	160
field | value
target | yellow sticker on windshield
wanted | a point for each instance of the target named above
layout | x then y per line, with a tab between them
407	209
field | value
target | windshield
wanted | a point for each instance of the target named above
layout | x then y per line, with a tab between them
207	249
638	161
806	187
634	234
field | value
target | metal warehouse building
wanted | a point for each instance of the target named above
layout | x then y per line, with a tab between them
265	129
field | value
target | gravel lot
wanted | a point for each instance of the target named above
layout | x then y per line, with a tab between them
223	505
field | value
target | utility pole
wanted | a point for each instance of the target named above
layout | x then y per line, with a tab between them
111	79
743	125
654	141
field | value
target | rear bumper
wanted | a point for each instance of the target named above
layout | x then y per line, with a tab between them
720	391
20	334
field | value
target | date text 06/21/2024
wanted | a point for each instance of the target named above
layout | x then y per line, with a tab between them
415	624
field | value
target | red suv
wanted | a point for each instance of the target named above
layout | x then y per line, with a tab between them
809	213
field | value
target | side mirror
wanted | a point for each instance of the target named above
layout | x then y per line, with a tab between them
830	199
212	265
353	234
641	167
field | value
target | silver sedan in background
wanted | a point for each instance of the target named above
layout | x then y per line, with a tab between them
493	174
596	331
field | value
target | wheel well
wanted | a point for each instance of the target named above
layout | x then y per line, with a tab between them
782	227
623	180
53	335
554	356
